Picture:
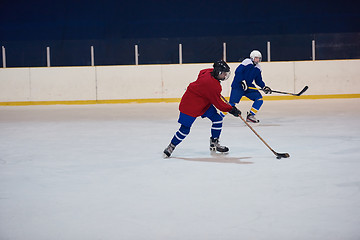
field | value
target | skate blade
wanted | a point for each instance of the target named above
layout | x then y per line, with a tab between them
248	121
166	156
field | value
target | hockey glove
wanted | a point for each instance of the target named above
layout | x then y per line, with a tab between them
267	90
234	111
244	85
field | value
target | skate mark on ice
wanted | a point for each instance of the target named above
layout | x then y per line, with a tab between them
217	159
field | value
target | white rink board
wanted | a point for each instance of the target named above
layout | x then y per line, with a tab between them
14	84
167	81
279	75
63	84
129	82
328	77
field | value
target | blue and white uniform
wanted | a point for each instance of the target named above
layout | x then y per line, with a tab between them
249	72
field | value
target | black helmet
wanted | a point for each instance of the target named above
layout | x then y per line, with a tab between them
220	67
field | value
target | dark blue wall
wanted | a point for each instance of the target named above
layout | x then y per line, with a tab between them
113	27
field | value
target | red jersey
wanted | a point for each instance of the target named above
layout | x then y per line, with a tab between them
199	95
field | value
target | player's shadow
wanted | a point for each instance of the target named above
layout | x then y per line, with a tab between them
217	158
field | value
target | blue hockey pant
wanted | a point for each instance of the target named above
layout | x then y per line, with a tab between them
254	95
186	122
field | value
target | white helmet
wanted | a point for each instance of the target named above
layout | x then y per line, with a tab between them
254	54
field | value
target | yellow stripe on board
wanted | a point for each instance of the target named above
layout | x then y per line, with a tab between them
158	100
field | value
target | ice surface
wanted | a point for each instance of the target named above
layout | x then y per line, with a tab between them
97	172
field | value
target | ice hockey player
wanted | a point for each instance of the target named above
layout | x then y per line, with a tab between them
248	71
203	98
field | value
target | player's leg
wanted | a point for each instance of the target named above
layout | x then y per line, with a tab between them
258	102
186	121
216	127
235	95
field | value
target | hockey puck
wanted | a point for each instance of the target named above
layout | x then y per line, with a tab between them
278	157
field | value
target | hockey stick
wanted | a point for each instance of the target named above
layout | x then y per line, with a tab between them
278	155
274	91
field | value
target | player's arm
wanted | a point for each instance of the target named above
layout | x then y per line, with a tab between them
239	77
260	83
223	105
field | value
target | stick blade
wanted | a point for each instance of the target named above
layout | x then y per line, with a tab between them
282	155
302	91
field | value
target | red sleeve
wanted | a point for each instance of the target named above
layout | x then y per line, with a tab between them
214	96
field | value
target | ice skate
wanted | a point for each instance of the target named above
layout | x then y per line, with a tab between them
251	118
168	150
216	147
